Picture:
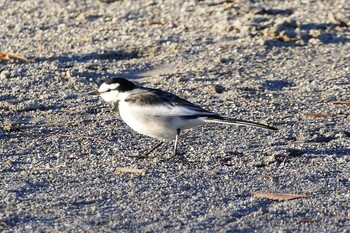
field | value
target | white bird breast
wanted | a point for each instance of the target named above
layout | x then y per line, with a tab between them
111	96
157	121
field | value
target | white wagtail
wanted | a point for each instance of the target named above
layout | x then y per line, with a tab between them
159	114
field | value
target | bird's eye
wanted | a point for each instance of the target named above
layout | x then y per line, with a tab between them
108	90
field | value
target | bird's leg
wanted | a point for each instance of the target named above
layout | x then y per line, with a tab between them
175	147
145	155
155	147
176	141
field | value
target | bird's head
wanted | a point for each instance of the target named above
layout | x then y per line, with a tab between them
112	88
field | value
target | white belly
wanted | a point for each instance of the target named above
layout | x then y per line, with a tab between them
149	122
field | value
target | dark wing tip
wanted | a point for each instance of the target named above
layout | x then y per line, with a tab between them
265	126
272	128
240	122
94	93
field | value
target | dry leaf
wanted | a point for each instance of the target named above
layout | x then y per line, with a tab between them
155	22
280	196
267	177
317	115
306	220
63	135
131	170
90	198
4	224
340	102
8	56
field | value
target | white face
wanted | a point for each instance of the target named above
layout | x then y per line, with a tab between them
109	92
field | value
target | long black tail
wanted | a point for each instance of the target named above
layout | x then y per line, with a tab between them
225	120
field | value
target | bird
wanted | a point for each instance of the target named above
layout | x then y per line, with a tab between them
157	113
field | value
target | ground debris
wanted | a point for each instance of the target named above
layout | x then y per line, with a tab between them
280	196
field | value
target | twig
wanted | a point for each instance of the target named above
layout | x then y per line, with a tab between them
63	135
341	102
10	56
131	170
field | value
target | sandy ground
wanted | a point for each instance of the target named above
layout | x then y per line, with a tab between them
284	63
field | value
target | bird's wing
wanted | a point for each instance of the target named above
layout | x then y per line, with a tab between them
166	103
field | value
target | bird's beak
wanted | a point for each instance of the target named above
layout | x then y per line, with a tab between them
94	93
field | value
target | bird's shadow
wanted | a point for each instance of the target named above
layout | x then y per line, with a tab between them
338	152
109	55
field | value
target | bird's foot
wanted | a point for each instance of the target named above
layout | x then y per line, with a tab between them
147	153
178	157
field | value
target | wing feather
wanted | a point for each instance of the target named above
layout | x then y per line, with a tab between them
170	104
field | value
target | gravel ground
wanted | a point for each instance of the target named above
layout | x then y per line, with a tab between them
284	63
